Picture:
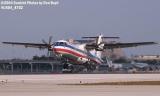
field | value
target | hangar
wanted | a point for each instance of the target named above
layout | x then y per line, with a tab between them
29	66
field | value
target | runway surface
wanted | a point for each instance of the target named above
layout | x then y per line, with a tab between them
48	85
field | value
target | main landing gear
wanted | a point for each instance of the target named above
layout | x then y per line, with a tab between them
90	66
77	68
67	67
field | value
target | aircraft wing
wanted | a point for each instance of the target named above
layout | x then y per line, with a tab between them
124	45
34	45
118	45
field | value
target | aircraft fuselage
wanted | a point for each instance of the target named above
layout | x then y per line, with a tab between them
76	54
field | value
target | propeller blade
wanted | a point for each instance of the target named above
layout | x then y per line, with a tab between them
48	55
50	40
49	45
44	41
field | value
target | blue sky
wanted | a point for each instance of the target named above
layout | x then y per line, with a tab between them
132	20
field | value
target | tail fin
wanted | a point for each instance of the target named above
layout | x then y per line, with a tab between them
99	49
99	39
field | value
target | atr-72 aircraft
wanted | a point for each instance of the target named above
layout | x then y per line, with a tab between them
87	53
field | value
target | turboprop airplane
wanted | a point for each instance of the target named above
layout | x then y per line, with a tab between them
87	53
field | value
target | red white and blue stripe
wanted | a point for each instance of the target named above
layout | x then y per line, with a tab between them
73	53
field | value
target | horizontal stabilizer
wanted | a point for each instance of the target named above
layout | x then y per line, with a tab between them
84	41
103	37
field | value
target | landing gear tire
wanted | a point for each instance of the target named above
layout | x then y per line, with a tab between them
90	67
67	68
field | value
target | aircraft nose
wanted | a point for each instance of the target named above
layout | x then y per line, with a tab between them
55	50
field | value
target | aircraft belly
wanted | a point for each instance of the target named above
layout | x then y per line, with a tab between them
71	58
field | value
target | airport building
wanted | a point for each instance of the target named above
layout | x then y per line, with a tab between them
146	57
29	66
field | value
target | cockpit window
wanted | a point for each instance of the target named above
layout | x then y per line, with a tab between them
60	44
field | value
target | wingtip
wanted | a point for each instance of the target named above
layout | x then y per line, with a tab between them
156	43
4	42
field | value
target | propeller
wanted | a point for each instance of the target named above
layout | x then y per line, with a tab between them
49	45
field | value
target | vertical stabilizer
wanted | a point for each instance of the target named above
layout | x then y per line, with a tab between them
98	51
